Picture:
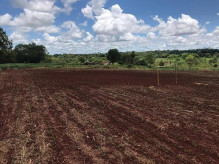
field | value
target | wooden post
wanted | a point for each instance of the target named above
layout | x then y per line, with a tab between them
176	73
158	77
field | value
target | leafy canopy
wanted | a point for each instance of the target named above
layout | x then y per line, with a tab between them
113	55
5	48
29	53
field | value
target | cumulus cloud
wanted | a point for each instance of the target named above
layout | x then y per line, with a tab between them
35	5
68	5
18	37
48	29
112	28
218	14
114	25
176	27
73	31
37	15
5	19
215	32
94	7
50	39
33	19
88	38
88	12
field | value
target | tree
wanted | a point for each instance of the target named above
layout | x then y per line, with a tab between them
213	61
161	63
81	59
127	58
191	60
150	59
30	53
174	59
113	55
5	48
36	53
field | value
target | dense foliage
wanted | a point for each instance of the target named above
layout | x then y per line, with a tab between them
113	55
5	48
22	53
29	53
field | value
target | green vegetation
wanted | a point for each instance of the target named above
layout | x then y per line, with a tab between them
36	56
113	55
29	53
5	48
22	53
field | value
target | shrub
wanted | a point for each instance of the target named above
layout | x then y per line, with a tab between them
129	66
161	63
113	55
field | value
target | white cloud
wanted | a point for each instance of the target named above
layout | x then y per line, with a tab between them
33	19
84	24
114	25
88	12
151	35
88	38
50	39
37	16
94	7
35	5
215	33
18	38
68	5
218	14
5	19
208	22
177	27
48	29
73	31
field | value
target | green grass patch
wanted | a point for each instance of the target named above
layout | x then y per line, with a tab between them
167	66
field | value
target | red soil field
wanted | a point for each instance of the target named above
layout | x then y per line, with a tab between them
98	116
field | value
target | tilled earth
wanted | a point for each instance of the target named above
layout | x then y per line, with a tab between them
93	116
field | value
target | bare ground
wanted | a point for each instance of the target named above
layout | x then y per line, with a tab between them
81	116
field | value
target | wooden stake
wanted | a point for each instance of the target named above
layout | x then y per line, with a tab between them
158	77
176	73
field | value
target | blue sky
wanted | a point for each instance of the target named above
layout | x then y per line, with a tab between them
88	26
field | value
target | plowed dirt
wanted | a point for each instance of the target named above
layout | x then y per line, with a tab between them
93	116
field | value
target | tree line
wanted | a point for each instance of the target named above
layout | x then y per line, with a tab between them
22	53
32	53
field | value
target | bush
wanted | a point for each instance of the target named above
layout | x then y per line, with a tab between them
141	62
213	61
113	55
161	63
129	66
